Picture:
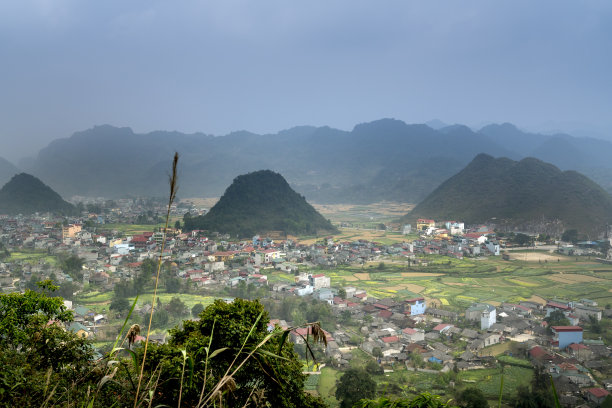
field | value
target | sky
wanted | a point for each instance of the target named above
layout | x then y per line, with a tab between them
266	65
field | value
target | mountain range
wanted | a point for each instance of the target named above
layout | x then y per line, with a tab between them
382	160
528	194
261	202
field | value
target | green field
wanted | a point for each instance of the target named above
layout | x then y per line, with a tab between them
132	229
458	283
488	380
100	301
33	257
327	385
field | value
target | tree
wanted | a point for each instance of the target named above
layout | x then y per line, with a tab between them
148	267
377	352
472	397
34	352
160	318
522	239
354	385
232	330
66	290
557	318
345	316
607	403
570	236
594	324
176	307
417	359
372	367
73	266
4	253
120	305
423	400
342	293
173	285
197	309
541	393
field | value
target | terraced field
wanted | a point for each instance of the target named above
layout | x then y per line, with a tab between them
458	283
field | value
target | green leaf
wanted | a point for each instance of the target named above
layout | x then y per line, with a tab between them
268	353
283	340
214	353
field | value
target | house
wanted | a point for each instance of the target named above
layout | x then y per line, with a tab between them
596	395
413	335
303	291
442	328
580	351
586	312
441	314
493	247
563	336
423	224
455	228
319	281
325	294
491	339
476	237
415	306
554	306
71	231
537	353
482	312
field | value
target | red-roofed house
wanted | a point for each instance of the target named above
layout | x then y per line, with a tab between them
413	335
580	351
390	339
361	296
538	353
385	314
443	327
596	395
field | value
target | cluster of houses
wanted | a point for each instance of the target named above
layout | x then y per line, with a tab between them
393	331
449	341
451	238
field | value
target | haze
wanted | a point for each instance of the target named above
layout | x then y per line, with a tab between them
263	66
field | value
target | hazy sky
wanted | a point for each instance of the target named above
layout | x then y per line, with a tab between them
219	66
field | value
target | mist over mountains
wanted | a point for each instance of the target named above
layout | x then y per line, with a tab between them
382	160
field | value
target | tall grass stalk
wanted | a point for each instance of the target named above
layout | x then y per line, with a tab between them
173	189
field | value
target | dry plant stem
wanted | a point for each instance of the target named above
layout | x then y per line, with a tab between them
173	187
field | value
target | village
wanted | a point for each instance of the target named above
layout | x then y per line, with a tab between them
418	333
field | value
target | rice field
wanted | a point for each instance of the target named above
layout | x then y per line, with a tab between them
457	284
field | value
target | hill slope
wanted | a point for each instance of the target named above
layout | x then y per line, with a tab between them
518	194
25	194
260	202
7	171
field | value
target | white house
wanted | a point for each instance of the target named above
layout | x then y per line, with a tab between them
319	281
